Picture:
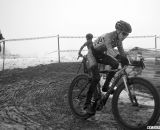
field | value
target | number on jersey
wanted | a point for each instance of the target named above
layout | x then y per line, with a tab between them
100	40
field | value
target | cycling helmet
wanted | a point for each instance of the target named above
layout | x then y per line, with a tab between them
123	26
89	36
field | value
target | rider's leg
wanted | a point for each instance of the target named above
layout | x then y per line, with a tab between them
107	81
92	88
108	60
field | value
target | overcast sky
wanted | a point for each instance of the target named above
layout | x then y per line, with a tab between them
32	18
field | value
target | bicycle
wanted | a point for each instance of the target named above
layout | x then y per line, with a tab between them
135	101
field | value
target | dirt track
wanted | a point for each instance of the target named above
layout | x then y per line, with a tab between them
36	98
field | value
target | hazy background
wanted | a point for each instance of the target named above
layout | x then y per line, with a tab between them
34	18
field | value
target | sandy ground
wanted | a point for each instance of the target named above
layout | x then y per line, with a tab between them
35	98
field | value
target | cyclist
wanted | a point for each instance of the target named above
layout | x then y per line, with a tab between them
103	52
1	37
89	44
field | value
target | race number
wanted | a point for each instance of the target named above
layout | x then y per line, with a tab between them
100	41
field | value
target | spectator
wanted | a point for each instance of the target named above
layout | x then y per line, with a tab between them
1	37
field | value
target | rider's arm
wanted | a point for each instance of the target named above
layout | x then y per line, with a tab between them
79	53
121	49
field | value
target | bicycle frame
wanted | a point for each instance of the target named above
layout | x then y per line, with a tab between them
120	73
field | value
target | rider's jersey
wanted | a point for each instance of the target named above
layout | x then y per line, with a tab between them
107	42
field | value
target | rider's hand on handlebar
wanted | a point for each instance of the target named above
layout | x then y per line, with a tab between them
122	59
79	55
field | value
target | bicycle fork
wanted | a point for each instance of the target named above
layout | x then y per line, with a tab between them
125	84
131	95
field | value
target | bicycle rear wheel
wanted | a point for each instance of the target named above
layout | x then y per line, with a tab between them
147	110
77	95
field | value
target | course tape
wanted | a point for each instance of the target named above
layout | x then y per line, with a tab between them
31	38
57	36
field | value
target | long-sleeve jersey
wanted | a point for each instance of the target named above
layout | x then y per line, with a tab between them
107	42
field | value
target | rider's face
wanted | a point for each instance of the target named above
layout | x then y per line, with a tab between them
122	35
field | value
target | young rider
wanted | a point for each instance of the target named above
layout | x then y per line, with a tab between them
103	52
89	44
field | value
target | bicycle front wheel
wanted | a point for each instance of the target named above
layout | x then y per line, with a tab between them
77	95
147	109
